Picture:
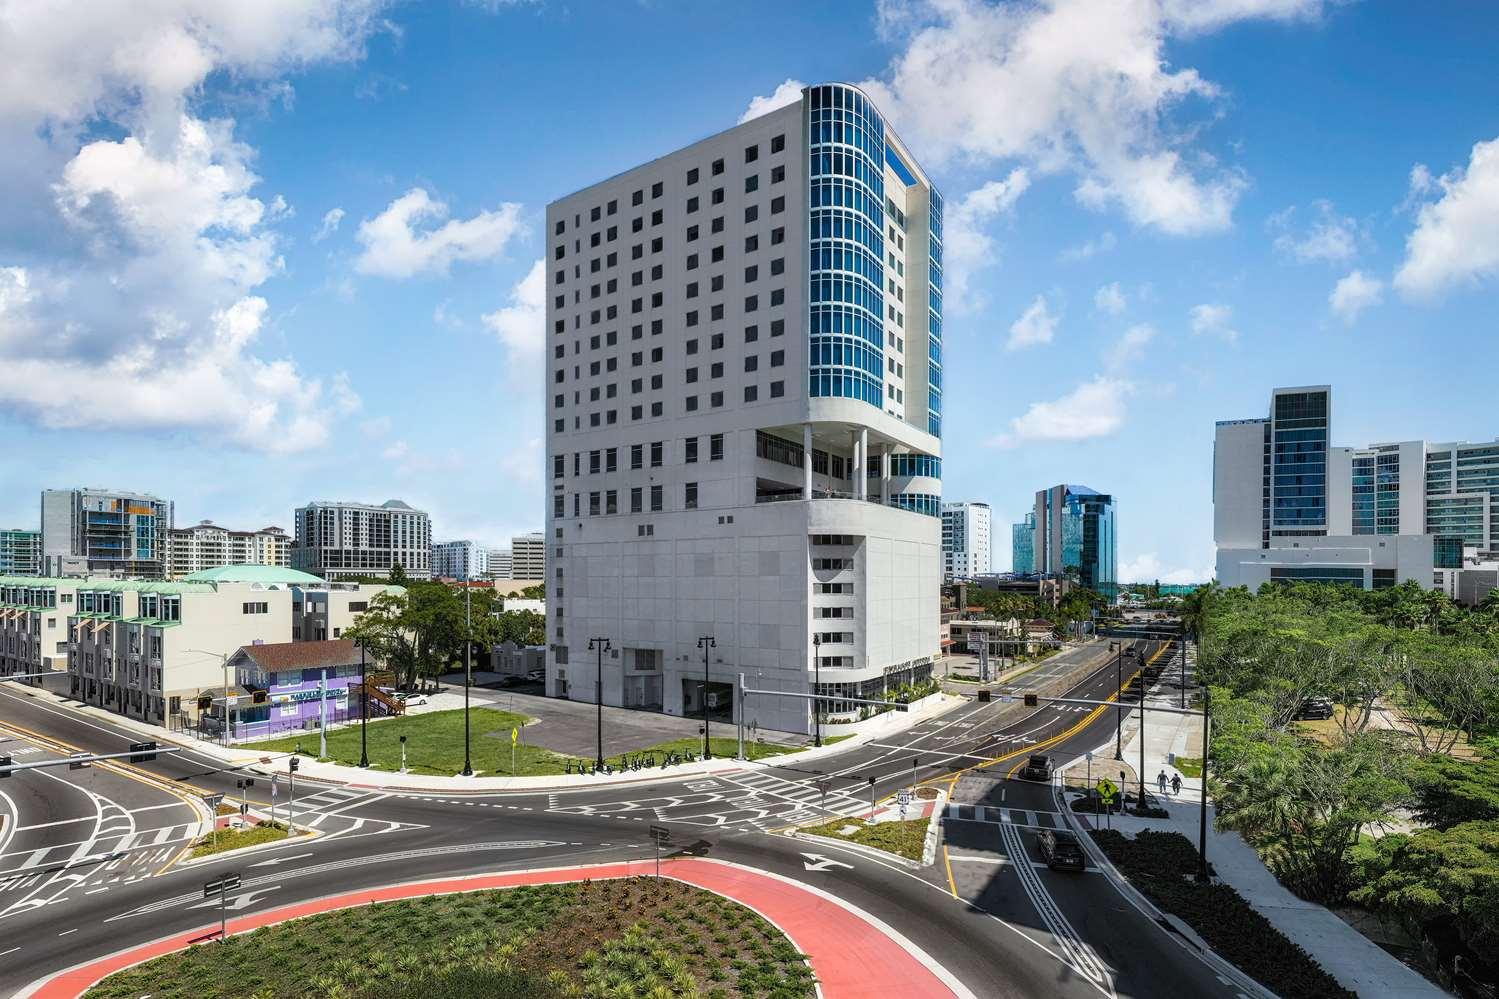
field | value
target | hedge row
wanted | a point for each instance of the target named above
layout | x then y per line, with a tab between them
1162	864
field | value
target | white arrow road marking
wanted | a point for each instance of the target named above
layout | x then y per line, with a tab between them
280	860
822	863
236	902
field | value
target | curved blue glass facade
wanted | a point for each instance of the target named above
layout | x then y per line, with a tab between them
846	251
918	503
934	306
902	465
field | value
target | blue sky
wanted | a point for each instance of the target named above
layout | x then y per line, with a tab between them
251	257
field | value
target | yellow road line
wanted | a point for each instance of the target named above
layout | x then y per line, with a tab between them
947	859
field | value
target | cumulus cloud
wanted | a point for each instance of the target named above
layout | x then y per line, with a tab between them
788	92
1070	85
521	325
966	246
1456	238
1353	294
1130	347
136	305
1149	568
1102	243
1109	299
1093	409
1328	237
1209	319
1036	325
400	242
329	226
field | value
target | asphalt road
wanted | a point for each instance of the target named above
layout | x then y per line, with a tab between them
1002	926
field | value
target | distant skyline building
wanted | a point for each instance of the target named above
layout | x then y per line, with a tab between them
1023	545
966	540
528	557
206	545
500	563
104	531
344	540
460	560
1289	505
20	552
1074	535
744	405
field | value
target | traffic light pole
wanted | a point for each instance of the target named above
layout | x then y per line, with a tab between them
134	756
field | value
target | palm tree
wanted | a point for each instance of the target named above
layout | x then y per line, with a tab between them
1490	602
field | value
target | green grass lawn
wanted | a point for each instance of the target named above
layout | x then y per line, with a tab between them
235	839
904	839
630	937
726	748
434	744
1190	766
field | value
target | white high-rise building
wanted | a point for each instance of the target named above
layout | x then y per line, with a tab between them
104	532
744	417
500	564
206	545
460	560
528	556
340	540
1287	505
966	546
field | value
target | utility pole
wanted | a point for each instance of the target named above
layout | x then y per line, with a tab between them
1202	818
1118	699
602	646
468	646
705	643
364	710
291	796
322	715
817	685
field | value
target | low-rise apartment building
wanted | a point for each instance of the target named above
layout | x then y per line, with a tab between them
206	545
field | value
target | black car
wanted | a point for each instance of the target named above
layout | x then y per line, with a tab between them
1038	767
1060	849
1314	709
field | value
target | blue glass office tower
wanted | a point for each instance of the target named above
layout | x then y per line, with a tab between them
1075	536
1023	545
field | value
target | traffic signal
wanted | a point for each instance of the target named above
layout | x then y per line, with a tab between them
293	763
142	752
1031	700
5	761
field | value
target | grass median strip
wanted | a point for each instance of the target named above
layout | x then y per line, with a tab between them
633	937
904	839
237	839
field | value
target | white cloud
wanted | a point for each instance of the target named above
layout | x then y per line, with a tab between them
1456	239
1036	325
1102	243
1110	299
966	247
1149	568
788	92
1353	294
1213	320
136	305
521	326
1130	346
1330	237
395	246
1093	409
1069	85
329	225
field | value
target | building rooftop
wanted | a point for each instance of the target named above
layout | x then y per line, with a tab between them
280	656
265	574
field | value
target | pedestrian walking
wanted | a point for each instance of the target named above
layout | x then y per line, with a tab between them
1176	783
1160	781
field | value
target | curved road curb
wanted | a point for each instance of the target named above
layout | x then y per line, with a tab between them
853	953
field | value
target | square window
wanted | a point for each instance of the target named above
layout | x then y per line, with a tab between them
777	389
691	205
691	233
655	409
778	297
638	198
716	312
752	362
778	265
752	183
692	262
716	284
717	167
777	205
656	217
717	255
777	327
691	375
751	213
656	189
777	174
692	318
691	346
751	334
777	236
751	393
561	225
716	370
751	303
717	225
751	244
777	143
691	404
656	245
692	289
692	176
777	358
595	214
716	343
751	273
717	197
751	153
716	400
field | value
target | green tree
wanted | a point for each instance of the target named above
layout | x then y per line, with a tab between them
1450	792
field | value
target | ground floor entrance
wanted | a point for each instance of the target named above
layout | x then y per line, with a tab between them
720	700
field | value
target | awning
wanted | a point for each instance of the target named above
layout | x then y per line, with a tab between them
78	627
99	625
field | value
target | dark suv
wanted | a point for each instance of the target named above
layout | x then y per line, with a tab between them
1038	767
1315	709
1060	848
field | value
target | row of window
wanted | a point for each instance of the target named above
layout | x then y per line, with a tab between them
690	404
605	502
606	460
834	539
776	359
832	564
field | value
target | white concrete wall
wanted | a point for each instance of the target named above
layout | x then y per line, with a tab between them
1238	483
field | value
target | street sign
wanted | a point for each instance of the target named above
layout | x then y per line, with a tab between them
212	800
222	886
975	641
903	799
1088	756
660	834
1006	698
1107	790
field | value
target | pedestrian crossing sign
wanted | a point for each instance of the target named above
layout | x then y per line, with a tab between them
1107	789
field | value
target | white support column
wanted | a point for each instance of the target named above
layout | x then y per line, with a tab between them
861	476
806	461
885	476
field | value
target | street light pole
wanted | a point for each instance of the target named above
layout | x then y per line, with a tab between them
468	645
602	645
817	683
705	643
364	710
1202	818
1118	701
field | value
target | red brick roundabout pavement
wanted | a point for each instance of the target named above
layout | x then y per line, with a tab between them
853	953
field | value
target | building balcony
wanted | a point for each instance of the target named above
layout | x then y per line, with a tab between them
155	662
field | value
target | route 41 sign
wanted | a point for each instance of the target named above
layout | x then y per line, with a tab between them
903	799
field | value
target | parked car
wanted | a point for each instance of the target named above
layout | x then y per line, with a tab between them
1060	849
1314	709
511	681
410	699
1038	767
536	675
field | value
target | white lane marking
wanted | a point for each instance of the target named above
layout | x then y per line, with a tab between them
59	822
153	808
66	932
1079	956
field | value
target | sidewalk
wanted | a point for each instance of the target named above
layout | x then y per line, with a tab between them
852	952
1353	959
237	756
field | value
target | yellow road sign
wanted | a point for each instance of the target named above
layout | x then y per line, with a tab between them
1107	789
514	735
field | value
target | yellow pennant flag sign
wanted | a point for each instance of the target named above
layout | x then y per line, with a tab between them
514	735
